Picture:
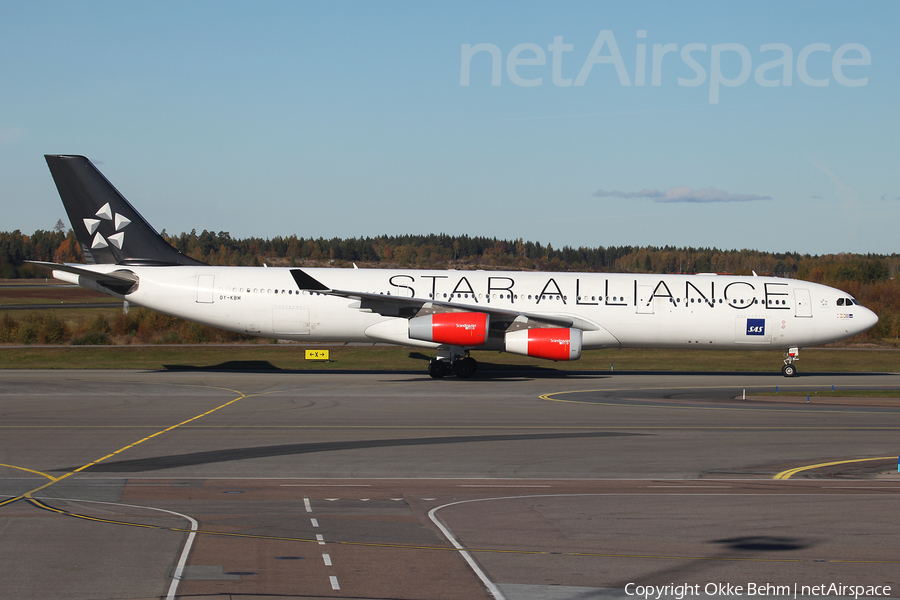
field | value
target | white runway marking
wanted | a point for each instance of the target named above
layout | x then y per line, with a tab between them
858	487
503	486
334	583
493	589
325	485
688	486
307	505
321	539
327	559
182	560
315	522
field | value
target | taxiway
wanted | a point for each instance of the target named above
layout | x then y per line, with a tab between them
398	486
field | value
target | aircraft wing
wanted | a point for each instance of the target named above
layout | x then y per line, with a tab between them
117	281
400	306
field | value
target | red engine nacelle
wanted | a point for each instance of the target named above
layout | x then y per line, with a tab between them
552	344
455	328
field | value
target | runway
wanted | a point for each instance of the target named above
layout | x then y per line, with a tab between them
129	484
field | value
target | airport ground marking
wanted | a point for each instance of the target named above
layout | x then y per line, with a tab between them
42	505
550	398
503	427
188	543
50	477
27	495
790	472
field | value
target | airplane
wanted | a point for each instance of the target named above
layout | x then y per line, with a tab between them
548	315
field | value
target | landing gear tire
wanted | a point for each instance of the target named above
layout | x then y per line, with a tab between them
437	369
465	367
789	370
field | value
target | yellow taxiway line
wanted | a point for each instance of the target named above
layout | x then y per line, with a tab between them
787	474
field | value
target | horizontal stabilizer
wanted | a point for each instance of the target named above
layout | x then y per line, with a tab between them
119	282
115	276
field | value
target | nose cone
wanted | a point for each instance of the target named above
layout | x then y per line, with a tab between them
864	319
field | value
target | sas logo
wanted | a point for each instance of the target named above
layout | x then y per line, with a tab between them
756	327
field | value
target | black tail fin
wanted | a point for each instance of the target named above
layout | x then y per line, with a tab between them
108	228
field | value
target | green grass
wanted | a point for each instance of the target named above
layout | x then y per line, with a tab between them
47	294
34	301
70	315
291	356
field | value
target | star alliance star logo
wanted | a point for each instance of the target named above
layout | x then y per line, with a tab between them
117	239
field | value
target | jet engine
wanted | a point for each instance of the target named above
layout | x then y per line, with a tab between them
454	328
549	343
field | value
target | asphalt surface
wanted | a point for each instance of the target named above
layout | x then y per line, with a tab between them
311	485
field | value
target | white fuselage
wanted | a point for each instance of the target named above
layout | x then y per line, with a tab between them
613	310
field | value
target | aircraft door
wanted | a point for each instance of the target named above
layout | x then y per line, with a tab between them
205	288
802	303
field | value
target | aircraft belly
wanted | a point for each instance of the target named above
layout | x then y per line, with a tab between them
673	329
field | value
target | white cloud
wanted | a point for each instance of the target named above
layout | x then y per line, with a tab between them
684	194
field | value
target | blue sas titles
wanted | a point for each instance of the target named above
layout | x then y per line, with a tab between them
756	327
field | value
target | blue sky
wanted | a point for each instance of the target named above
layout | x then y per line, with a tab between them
347	119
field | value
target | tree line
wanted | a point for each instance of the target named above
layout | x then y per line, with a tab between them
462	252
871	278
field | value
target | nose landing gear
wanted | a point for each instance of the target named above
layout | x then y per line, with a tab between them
792	354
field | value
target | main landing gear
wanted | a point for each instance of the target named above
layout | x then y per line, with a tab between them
792	354
460	365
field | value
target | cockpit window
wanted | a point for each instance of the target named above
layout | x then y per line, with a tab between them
840	302
856	302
